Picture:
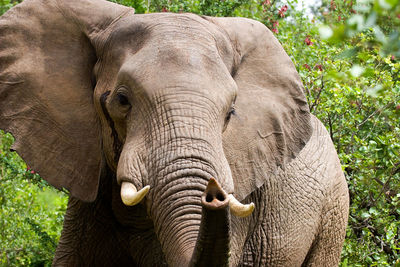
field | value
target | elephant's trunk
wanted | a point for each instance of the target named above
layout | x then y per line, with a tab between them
213	241
193	232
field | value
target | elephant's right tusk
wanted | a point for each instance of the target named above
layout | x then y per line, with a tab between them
238	209
129	194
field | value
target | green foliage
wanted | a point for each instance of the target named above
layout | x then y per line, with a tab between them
31	212
348	59
203	7
5	5
379	20
140	6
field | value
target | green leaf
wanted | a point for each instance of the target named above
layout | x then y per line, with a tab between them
387	4
365	215
325	32
356	71
349	53
371	20
380	36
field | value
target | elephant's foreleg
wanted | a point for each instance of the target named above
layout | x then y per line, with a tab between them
88	238
327	246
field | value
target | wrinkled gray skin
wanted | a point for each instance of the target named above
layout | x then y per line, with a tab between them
96	95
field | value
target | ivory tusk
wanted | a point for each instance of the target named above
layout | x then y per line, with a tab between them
129	194
238	209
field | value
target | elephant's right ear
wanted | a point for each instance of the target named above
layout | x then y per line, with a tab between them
47	54
272	122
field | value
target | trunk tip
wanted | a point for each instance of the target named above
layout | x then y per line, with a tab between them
214	197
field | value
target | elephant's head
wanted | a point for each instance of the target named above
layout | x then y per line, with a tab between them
167	101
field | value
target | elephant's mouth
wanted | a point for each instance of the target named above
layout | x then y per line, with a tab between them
131	196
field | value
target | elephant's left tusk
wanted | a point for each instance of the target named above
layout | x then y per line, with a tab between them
238	209
129	194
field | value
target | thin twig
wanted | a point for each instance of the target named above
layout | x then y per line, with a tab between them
316	100
330	126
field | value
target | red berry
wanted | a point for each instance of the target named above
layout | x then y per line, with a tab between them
266	2
307	66
318	66
308	41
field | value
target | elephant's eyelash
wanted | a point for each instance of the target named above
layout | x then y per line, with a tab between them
231	112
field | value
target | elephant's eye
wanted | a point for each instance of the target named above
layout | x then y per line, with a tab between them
230	113
123	99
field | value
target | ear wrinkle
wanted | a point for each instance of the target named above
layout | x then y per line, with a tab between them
117	145
235	68
236	54
11	83
93	79
92	30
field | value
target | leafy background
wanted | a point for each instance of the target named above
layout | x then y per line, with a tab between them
347	54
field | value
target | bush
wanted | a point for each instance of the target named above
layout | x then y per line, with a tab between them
31	212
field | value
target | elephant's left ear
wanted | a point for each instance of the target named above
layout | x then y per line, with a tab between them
47	54
272	122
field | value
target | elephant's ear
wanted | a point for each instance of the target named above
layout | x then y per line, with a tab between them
272	122
46	88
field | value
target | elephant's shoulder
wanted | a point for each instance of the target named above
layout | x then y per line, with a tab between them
319	159
320	145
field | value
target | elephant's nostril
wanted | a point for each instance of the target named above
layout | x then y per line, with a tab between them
214	197
220	197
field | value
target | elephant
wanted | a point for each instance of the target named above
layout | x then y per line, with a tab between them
183	140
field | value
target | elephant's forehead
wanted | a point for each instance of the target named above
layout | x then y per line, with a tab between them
168	25
169	36
158	51
175	65
184	68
